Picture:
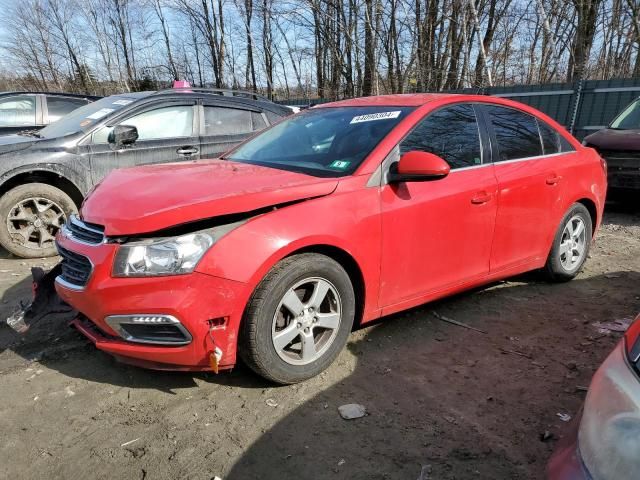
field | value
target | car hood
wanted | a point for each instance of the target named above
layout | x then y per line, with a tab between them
611	139
148	199
15	143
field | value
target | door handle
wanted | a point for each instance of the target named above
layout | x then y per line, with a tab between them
187	150
480	198
553	180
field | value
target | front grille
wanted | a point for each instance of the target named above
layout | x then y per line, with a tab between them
76	268
84	232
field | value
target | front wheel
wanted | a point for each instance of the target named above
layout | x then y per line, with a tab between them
298	319
570	245
30	217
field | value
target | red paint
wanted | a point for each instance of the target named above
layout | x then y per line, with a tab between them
412	241
422	163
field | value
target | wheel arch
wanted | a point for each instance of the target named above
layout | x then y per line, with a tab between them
593	212
349	263
48	177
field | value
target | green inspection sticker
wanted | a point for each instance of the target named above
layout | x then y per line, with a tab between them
340	164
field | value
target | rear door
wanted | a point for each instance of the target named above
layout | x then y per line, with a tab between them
167	132
224	126
530	187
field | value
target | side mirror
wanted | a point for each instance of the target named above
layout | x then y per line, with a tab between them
418	166
123	135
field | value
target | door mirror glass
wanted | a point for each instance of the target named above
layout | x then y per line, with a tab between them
418	166
123	135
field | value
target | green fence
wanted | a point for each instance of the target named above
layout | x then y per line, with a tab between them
582	107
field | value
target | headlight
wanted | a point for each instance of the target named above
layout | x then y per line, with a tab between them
609	435
169	256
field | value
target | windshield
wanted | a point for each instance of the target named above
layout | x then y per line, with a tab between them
629	119
324	142
83	118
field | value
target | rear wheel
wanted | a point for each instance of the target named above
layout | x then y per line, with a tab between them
570	245
298	319
30	217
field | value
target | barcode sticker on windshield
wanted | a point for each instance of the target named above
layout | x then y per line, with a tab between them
100	113
375	116
122	102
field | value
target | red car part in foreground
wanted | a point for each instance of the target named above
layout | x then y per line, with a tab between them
604	441
334	217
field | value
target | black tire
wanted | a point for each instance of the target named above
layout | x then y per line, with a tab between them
554	269
43	193
257	347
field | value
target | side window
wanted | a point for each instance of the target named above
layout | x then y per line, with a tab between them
19	110
272	117
550	139
451	133
228	121
58	107
258	121
516	133
166	122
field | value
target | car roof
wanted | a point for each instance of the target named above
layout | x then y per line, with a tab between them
238	100
397	100
51	94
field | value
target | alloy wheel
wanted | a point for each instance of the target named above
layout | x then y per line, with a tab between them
573	243
34	222
306	321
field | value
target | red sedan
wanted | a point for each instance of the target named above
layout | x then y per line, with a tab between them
332	218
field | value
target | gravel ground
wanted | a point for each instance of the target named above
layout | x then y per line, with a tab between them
442	399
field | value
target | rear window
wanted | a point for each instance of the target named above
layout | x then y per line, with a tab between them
58	107
231	121
550	139
516	133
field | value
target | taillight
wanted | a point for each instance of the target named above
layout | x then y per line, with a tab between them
632	340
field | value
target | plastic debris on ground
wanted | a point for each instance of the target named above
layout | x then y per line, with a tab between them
352	411
620	325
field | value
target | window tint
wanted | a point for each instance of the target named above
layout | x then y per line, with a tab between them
231	121
451	133
272	117
516	133
58	107
19	110
629	119
167	122
550	139
258	121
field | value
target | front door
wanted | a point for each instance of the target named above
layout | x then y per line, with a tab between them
437	234
166	133
20	112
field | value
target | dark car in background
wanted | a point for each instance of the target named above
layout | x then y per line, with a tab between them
604	441
45	175
619	145
33	110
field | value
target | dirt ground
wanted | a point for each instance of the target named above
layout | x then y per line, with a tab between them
442	400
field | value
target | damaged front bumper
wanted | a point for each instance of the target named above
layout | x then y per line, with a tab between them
205	308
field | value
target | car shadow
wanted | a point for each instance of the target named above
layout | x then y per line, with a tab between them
448	400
